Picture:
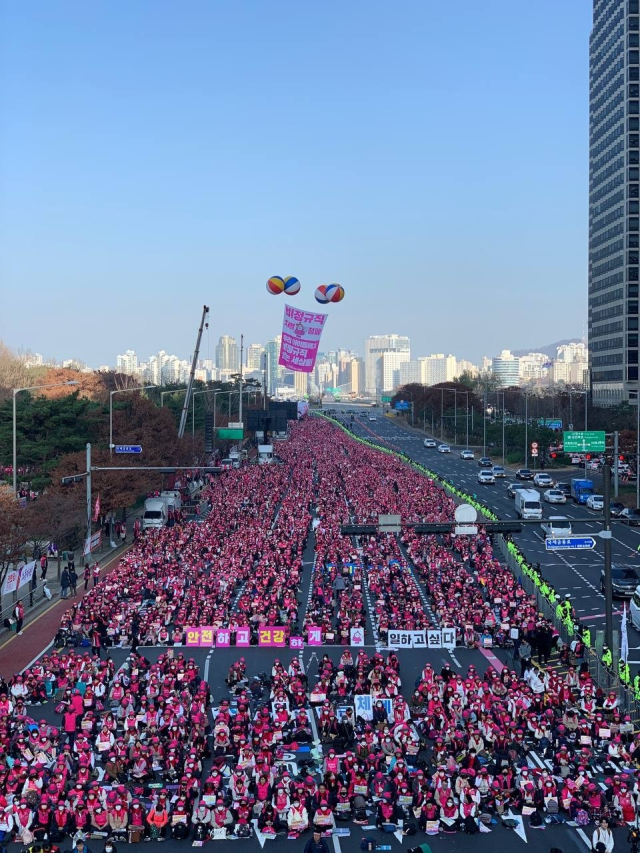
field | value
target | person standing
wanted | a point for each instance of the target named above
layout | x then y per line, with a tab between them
602	839
18	615
64	583
44	565
73	582
525	656
96	573
86	575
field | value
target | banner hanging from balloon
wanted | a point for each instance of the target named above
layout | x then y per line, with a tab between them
301	332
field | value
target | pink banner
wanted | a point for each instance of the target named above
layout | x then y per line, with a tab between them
193	637
301	331
243	636
314	636
271	635
296	643
206	636
223	638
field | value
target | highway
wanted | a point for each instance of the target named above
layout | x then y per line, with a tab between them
577	573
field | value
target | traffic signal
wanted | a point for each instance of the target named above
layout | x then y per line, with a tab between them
621	457
554	455
588	457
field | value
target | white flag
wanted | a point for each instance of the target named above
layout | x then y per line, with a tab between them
624	637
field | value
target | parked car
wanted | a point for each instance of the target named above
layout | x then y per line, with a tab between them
467	454
542	479
486	477
630	516
430	442
624	580
499	471
595	502
444	448
524	474
554	496
485	462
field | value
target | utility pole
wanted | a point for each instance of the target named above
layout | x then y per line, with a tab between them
616	471
441	413
241	377
455	417
526	430
266	380
88	479
484	422
606	535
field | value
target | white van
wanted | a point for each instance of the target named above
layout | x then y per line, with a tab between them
557	527
155	513
528	504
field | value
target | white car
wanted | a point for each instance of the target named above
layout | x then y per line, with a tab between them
498	471
444	448
557	527
467	454
542	479
372	418
595	502
430	442
554	496
486	477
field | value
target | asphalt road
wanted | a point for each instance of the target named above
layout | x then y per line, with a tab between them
577	573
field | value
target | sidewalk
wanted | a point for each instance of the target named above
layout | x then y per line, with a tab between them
42	621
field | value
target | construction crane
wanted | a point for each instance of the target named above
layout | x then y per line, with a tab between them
187	397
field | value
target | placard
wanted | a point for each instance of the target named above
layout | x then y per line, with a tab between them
314	636
271	636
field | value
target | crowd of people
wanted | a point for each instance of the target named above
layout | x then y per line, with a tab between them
143	752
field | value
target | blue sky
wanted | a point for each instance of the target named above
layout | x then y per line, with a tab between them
429	156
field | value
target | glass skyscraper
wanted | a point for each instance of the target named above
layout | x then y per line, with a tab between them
614	199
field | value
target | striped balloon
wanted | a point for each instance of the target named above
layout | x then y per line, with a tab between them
275	285
329	293
291	285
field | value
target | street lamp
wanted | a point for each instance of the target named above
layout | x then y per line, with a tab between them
120	391
15	439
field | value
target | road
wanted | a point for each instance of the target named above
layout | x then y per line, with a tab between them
577	573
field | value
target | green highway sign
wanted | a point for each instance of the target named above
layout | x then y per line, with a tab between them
385	399
584	442
230	434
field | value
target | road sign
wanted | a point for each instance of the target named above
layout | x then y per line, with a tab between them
534	451
230	434
390	524
235	425
570	543
385	399
583	442
534	445
128	448
550	423
402	406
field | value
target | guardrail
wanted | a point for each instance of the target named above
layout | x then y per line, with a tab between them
29	598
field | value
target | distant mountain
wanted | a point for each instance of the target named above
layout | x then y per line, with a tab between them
547	349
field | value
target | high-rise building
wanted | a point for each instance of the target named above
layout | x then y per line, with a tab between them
227	354
410	372
355	376
437	368
127	363
301	383
374	347
506	368
614	199
274	371
254	357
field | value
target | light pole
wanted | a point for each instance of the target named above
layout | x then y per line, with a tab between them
15	435
120	391
484	422
526	429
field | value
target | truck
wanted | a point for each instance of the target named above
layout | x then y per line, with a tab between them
581	489
173	498
155	513
265	454
236	458
528	504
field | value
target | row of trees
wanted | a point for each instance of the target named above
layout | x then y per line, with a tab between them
53	427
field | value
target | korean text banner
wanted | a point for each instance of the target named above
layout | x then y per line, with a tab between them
301	331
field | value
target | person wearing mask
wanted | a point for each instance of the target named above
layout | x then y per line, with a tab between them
109	847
